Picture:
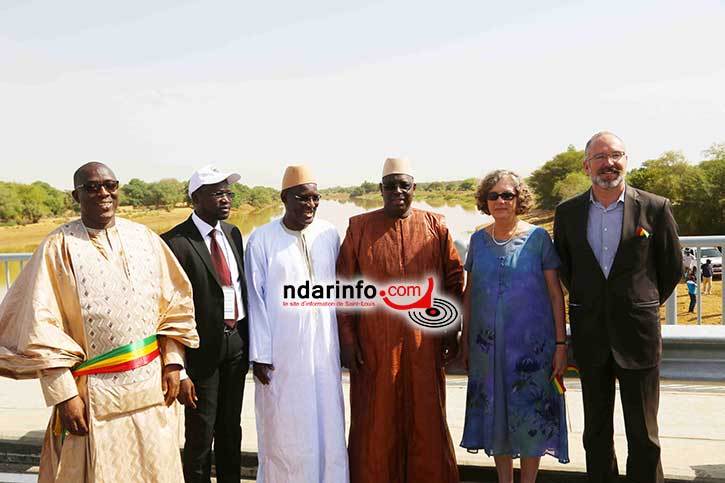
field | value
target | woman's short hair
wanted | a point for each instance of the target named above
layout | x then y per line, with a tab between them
525	198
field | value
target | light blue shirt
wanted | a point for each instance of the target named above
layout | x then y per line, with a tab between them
604	230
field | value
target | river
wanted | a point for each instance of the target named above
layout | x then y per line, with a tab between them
461	221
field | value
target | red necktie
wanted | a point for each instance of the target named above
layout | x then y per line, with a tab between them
222	269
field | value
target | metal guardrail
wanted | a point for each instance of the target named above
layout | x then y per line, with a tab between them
695	353
8	260
689	353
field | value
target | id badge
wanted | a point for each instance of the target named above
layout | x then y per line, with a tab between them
229	298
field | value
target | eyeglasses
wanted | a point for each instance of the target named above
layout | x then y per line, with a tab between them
111	186
308	198
223	194
403	186
506	196
614	156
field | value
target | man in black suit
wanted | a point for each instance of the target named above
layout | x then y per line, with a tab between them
210	251
620	260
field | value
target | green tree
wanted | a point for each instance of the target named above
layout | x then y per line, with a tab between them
57	201
697	210
468	184
33	200
713	169
369	187
261	196
364	188
242	195
543	180
685	185
640	178
185	199
11	208
663	175
135	193
165	193
716	151
573	184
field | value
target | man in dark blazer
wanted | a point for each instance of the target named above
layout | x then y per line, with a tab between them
620	260
210	251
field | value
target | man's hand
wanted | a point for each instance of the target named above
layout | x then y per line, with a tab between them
262	371
73	415
351	356
449	347
170	383
187	393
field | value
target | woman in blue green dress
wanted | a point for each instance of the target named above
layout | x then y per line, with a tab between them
514	335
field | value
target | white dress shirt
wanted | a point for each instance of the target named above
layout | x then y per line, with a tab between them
205	230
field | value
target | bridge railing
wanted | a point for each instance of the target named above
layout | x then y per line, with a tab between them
11	264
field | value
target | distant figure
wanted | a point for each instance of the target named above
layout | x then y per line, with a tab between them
620	260
689	263
692	292
101	314
706	277
514	336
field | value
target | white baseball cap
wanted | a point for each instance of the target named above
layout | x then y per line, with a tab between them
210	175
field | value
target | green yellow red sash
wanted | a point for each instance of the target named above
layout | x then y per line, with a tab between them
558	382
124	358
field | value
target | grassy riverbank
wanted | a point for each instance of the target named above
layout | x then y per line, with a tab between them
25	238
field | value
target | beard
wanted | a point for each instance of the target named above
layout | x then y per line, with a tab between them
608	184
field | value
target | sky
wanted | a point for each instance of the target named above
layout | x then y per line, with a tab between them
157	89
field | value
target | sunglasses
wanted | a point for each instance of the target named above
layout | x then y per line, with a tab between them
308	198
506	196
404	186
111	186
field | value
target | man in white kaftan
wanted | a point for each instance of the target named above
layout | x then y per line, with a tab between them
95	285
295	350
